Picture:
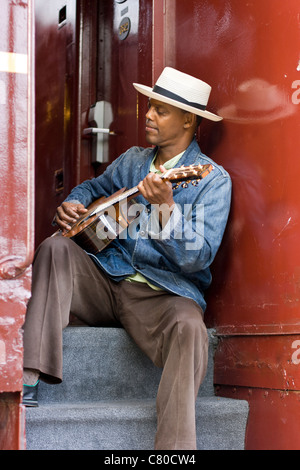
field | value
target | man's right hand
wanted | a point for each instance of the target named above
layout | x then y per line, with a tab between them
67	214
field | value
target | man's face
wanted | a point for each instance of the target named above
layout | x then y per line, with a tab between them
164	123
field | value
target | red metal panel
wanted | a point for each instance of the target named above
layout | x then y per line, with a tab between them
257	273
55	58
16	197
274	418
259	361
248	52
12	419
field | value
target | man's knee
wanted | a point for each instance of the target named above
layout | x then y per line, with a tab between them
54	243
187	327
53	248
189	317
192	329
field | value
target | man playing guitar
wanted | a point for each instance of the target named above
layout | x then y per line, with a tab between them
150	281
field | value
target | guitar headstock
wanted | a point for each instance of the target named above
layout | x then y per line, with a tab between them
187	174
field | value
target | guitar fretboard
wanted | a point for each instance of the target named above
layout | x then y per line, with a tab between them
115	200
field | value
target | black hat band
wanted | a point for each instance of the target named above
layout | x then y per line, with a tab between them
173	96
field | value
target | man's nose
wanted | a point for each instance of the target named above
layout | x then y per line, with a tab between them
149	114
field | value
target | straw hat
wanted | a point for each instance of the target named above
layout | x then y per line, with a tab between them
180	90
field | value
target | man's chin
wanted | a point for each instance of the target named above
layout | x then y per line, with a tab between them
151	140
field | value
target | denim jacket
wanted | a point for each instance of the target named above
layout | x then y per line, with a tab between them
178	257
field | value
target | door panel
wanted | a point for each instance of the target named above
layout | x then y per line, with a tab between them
80	62
55	24
125	57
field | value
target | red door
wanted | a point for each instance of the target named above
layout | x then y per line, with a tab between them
86	52
56	110
124	57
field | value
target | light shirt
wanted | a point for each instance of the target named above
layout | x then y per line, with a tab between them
138	277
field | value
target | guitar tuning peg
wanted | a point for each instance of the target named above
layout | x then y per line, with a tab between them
176	186
195	182
185	185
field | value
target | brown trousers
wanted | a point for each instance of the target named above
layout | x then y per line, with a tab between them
168	328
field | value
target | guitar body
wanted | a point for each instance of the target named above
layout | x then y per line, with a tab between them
94	232
107	218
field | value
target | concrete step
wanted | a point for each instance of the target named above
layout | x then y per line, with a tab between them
130	425
107	399
113	367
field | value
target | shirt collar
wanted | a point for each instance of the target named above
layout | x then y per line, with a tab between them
168	165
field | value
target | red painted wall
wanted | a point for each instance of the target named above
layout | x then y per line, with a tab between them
17	204
249	53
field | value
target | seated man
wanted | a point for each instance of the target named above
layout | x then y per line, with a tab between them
151	283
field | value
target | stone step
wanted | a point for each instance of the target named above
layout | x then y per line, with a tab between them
105	364
107	399
130	425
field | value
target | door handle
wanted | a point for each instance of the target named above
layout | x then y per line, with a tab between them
97	130
100	118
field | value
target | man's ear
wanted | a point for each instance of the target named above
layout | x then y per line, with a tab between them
190	120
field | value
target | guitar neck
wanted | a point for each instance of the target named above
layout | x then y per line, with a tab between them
173	175
121	197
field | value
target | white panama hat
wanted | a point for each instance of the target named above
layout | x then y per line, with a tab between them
182	91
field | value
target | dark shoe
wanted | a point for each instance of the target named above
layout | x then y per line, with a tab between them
30	395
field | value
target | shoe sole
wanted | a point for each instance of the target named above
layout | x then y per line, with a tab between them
30	404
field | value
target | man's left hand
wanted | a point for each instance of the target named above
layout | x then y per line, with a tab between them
156	190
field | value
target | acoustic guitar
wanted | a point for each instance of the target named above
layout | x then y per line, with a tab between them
108	217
